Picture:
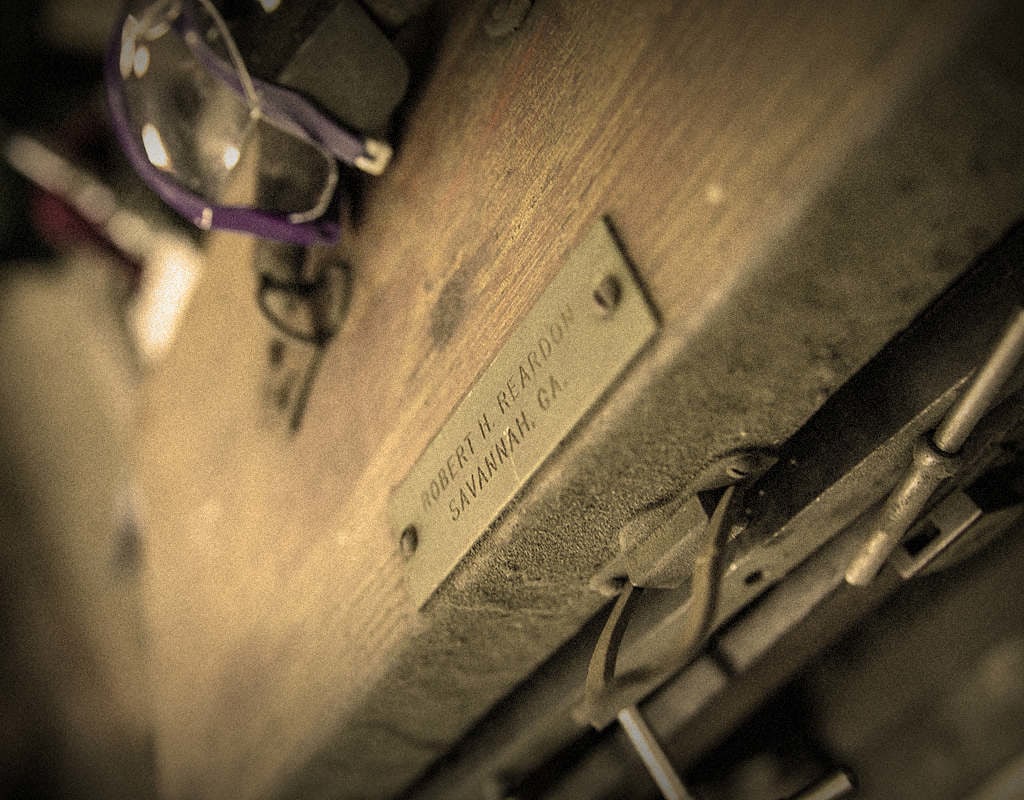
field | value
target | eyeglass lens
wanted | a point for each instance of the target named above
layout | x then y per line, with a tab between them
199	121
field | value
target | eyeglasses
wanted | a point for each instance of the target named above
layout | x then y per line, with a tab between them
223	148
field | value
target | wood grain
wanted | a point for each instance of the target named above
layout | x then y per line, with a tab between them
749	157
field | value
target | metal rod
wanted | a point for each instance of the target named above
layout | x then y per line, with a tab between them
654	758
971	406
833	787
936	461
928	469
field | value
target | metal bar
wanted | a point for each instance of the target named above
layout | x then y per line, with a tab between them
654	758
833	787
935	460
971	406
928	469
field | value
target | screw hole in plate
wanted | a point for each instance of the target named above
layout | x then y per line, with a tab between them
409	540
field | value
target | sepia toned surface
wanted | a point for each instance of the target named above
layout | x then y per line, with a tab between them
589	324
791	182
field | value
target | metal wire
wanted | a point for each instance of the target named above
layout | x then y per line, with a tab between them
972	405
654	758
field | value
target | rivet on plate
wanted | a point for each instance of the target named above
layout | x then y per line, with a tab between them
409	541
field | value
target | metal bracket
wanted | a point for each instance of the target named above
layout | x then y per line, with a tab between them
943	526
935	458
947	523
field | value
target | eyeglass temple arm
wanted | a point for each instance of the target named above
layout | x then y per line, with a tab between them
376	156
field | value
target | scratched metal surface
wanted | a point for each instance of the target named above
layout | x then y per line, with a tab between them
792	184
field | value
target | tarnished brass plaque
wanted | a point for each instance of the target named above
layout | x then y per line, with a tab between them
584	329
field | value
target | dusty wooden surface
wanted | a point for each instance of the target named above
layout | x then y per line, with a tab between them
286	653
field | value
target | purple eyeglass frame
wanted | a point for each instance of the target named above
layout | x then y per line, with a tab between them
299	116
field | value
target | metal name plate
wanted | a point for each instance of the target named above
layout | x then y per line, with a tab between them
583	331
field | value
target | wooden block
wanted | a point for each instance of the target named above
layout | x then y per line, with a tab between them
793	182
